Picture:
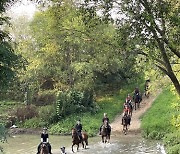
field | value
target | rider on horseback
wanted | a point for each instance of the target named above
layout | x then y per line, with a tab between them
126	114
79	129
128	98
44	139
128	102
105	118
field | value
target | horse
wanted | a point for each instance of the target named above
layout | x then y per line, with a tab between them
105	132
125	122
137	99
44	149
76	139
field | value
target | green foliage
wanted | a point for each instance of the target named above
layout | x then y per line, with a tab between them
74	101
33	123
47	114
172	141
9	60
72	47
45	97
161	121
3	134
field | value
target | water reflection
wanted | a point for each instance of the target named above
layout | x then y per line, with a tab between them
27	144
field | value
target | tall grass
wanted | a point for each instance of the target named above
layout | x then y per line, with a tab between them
157	122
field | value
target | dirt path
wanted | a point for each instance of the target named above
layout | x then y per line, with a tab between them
135	120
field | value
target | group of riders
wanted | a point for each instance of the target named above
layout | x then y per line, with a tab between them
127	114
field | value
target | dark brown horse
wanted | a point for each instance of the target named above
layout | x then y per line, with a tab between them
137	99
76	139
125	122
44	149
105	132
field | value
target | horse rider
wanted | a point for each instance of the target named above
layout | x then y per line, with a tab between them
137	94
136	90
105	118
128	98
78	128
126	114
44	139
146	86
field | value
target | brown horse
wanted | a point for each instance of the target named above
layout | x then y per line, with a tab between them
76	139
44	149
105	132
125	122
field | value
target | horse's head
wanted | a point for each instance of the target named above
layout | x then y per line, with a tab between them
44	148
74	133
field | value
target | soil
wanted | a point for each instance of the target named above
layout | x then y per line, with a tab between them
134	128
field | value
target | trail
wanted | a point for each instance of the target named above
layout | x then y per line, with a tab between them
134	128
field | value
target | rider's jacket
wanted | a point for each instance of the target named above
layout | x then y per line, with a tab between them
78	127
44	137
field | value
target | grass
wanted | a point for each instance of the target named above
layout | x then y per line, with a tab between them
157	122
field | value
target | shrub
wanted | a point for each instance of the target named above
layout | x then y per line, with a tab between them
26	112
34	123
47	114
73	101
45	97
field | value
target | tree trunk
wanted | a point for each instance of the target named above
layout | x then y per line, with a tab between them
169	70
175	82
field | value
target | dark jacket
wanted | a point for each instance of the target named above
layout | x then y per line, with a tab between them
78	127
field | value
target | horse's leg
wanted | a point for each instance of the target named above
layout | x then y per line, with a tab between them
86	141
77	147
102	139
72	148
108	138
82	144
135	105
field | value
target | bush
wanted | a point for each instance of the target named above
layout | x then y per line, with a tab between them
48	115
26	112
45	97
33	123
172	141
73	101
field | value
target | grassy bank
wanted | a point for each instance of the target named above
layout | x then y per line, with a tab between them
157	123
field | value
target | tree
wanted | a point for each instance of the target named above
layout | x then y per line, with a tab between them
9	61
154	26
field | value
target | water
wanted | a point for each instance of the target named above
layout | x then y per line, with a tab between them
119	144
